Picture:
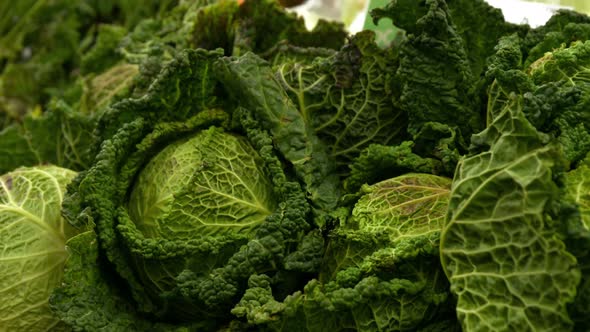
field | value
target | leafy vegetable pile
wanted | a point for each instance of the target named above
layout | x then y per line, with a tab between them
209	165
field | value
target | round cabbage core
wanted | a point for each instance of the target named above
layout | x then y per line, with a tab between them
212	183
33	239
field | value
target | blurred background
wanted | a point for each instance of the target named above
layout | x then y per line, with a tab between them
353	12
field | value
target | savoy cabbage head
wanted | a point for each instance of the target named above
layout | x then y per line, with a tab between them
33	250
191	197
209	185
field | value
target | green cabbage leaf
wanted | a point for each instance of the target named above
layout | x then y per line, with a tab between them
502	246
33	252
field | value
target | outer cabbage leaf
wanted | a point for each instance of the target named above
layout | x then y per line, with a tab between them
571	64
359	303
32	242
514	57
261	24
184	87
479	36
436	79
258	26
562	77
98	92
157	39
555	99
251	80
554	87
258	304
283	53
347	97
500	247
441	70
214	24
556	39
505	76
563	27
578	190
87	281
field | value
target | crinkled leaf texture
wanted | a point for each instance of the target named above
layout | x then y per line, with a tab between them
381	267
500	247
562	78
407	206
555	90
347	98
441	64
479	36
258	25
563	27
381	270
33	252
379	162
87	286
434	71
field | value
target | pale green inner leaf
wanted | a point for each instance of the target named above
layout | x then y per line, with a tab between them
210	183
32	246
